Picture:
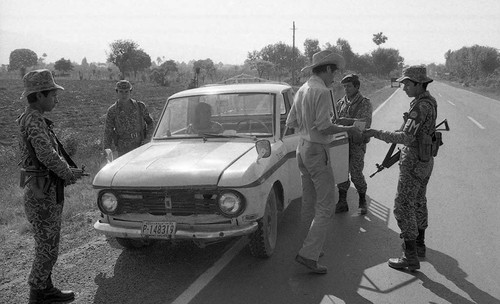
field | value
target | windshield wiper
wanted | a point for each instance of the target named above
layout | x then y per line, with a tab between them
215	135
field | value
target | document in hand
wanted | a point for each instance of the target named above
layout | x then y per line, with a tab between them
361	125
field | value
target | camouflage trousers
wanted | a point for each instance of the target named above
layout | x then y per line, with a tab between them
356	165
410	205
45	217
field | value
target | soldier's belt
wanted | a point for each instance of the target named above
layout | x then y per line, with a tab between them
129	135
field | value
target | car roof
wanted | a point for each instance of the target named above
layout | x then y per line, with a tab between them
267	87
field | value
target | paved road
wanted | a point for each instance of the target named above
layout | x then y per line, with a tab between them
463	239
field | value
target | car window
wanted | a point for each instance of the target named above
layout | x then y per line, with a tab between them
225	114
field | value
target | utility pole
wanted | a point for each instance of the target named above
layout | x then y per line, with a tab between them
293	55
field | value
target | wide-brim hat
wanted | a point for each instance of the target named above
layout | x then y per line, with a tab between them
416	73
326	57
38	81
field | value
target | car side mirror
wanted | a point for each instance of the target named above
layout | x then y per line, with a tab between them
263	148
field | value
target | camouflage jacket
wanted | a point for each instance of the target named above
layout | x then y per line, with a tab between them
37	130
127	130
358	108
421	118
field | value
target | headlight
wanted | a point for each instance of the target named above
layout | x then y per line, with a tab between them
107	202
231	204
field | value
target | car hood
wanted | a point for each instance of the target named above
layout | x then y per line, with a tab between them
172	164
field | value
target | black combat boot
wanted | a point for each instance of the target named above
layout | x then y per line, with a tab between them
409	258
50	294
342	203
362	209
420	243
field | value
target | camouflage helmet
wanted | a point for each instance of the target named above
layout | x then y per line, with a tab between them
416	73
38	81
123	85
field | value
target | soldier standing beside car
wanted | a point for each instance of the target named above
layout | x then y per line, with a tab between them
44	173
128	122
354	107
311	114
415	165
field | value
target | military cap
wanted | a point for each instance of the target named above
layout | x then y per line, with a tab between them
416	73
38	81
123	85
349	78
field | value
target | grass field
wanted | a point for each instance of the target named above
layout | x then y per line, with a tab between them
79	121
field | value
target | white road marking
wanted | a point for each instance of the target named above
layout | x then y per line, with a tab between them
330	299
208	275
475	122
450	102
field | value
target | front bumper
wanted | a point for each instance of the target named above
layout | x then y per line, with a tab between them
181	233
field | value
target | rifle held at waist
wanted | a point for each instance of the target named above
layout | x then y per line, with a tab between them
390	159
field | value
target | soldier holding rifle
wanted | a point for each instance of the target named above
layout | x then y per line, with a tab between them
416	163
45	170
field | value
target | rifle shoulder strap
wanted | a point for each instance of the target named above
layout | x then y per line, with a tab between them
140	119
63	152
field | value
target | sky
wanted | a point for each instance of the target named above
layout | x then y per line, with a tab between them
226	30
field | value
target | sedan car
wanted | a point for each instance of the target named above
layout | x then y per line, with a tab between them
221	164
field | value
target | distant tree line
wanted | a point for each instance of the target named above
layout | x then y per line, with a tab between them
472	63
278	61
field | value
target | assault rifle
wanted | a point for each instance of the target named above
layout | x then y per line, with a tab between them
390	158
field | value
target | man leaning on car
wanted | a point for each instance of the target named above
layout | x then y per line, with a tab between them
311	115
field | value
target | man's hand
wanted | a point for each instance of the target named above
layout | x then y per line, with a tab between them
79	172
355	134
370	133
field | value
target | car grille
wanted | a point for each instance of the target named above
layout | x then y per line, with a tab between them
184	202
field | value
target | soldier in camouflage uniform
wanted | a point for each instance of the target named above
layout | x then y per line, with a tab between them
354	107
416	163
44	191
128	122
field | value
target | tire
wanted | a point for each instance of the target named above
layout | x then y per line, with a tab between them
133	243
263	240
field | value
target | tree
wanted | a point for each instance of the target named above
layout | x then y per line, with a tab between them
205	68
255	62
139	61
63	65
160	75
21	59
345	48
127	56
386	60
472	63
311	46
379	38
85	64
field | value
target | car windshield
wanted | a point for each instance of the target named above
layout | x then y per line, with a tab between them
248	114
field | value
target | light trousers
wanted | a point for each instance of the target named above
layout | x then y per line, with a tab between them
318	195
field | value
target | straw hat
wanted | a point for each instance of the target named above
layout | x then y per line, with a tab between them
37	81
326	57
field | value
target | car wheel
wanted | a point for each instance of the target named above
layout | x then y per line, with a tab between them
133	243
263	241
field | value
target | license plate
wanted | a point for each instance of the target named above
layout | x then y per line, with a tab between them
159	229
